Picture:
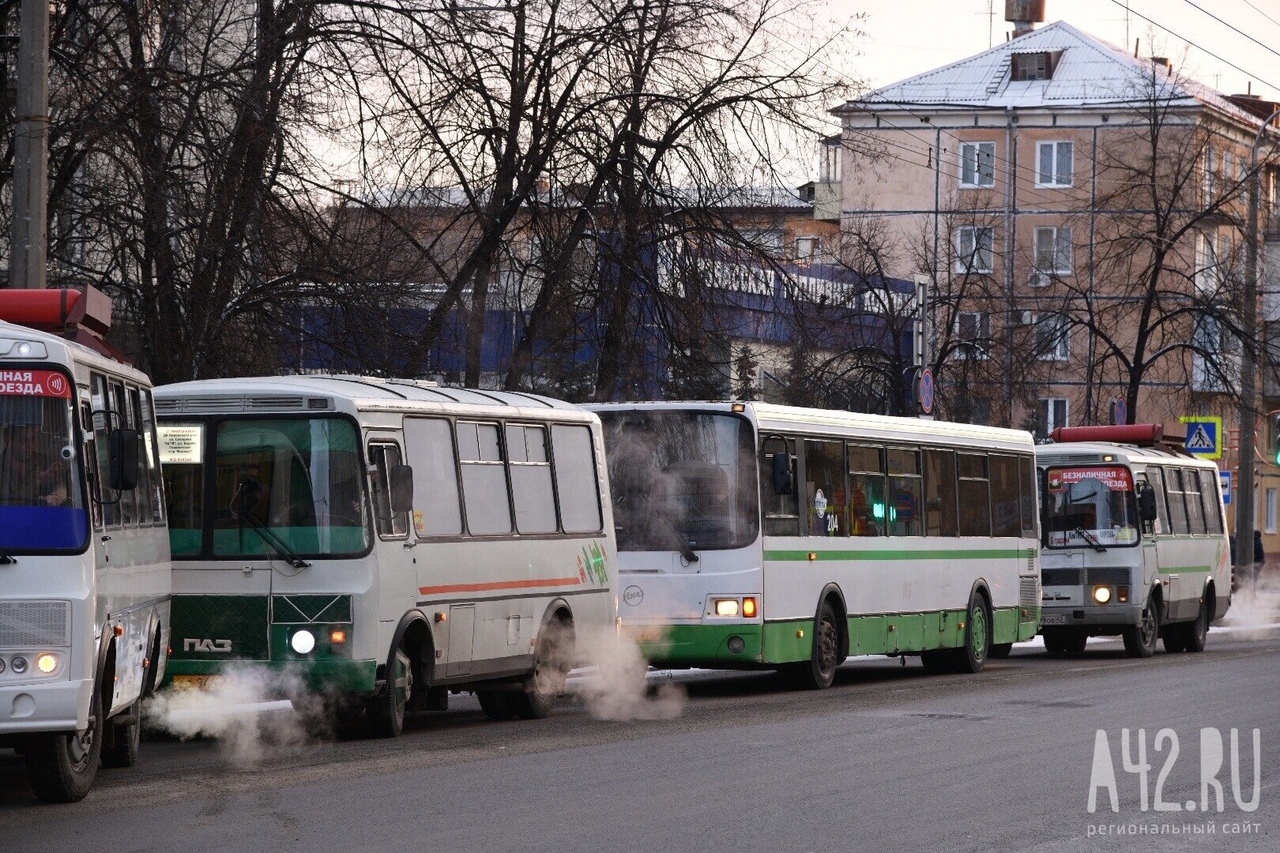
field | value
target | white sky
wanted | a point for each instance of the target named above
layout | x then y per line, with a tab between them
907	37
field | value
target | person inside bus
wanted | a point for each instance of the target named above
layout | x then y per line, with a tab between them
33	473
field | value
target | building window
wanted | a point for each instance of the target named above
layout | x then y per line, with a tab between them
806	248
1052	334
1053	254
1052	414
973	334
977	164
1210	176
1034	66
975	246
1055	164
1271	511
829	168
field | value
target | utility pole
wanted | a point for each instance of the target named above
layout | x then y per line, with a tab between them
1245	510
29	237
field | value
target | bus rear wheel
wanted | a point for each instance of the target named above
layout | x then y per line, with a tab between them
551	665
1140	640
62	766
122	738
1196	634
496	704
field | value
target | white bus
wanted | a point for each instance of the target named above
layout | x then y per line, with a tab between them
754	535
388	540
84	554
1134	541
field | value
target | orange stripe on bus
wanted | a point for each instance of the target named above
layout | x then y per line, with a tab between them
497	585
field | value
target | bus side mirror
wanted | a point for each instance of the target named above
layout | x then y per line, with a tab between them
782	482
1147	503
400	478
123	459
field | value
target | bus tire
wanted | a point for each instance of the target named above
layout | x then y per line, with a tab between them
820	671
1076	640
977	636
1197	632
387	707
62	766
552	661
937	662
122	739
496	704
1000	650
1140	640
1055	640
1174	638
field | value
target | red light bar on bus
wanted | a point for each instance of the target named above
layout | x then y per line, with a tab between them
1141	434
83	316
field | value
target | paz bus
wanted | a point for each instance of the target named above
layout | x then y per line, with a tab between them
1134	541
388	541
755	535
84	554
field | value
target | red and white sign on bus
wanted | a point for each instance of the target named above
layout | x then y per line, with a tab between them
1116	479
34	383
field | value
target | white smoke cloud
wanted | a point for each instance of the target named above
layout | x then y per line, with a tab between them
1255	609
614	682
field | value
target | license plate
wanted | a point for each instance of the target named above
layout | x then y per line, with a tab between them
194	682
1054	619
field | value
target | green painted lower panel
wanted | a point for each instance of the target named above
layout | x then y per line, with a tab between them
347	676
791	641
698	645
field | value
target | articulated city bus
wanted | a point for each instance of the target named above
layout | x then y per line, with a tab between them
1134	541
389	541
84	553
754	535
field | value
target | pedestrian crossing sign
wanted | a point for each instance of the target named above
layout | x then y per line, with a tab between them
1204	436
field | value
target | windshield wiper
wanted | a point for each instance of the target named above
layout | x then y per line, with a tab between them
269	536
1089	537
6	560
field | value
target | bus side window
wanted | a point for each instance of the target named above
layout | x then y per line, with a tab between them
1209	492
124	415
1006	516
429	446
905	492
941	514
1155	476
90	462
577	482
1027	491
484	479
146	509
825	488
531	478
384	457
1177	501
781	511
1195	509
868	511
975	494
100	420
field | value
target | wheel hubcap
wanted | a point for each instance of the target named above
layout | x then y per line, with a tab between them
978	633
827	647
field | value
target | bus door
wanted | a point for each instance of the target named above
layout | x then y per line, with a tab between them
437	515
1150	559
396	551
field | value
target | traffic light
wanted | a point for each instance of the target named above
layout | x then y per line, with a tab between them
1273	427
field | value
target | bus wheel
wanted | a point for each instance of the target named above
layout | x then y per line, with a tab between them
1197	632
977	637
1055	640
386	709
1000	650
122	739
1076	641
1140	639
820	671
937	662
551	664
62	766
1175	638
496	704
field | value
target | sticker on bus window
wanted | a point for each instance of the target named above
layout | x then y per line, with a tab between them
1115	479
181	445
34	383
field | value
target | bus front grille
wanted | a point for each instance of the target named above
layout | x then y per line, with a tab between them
1028	593
35	623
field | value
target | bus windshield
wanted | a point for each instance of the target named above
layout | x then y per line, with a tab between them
681	480
288	487
41	497
1090	506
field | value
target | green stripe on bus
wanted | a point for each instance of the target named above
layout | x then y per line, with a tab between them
1175	570
880	554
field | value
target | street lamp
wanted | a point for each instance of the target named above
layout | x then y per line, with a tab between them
1248	368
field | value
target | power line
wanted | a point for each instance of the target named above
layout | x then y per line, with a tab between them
1260	12
1232	27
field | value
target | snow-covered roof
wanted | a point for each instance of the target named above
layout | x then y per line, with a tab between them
1089	73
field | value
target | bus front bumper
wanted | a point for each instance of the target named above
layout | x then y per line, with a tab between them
278	678
29	708
1096	617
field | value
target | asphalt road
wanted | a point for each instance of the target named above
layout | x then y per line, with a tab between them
888	759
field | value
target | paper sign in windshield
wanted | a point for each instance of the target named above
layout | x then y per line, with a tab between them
1116	479
34	383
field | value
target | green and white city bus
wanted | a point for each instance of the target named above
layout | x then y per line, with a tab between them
388	540
754	535
84	554
1134	541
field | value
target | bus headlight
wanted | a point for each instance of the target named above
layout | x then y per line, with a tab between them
1102	594
46	662
302	641
726	606
18	664
749	607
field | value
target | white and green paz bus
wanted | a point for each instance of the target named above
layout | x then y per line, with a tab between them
1134	541
754	535
84	554
389	541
